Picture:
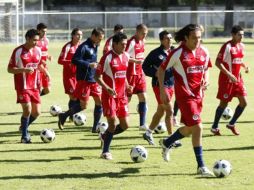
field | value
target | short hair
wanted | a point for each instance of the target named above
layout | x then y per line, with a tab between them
162	34
118	27
41	26
141	27
74	31
98	31
31	33
185	31
235	29
118	37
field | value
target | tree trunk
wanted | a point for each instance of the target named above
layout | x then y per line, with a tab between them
164	7
194	16
229	17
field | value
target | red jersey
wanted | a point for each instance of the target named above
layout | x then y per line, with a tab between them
108	45
231	56
23	58
188	68
43	45
136	50
113	68
69	69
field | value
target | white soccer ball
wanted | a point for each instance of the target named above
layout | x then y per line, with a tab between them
79	119
161	128
222	168
138	154
227	113
102	127
55	110
47	135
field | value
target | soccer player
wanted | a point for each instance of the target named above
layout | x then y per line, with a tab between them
111	75
108	44
69	69
25	63
135	75
190	62
229	62
85	59
150	66
43	44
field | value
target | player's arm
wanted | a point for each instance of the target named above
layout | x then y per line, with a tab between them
16	70
98	79
42	69
62	57
148	65
78	59
246	68
225	71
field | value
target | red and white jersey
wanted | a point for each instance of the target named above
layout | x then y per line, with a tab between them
188	68
23	58
231	56
113	68
136	50
108	45
69	69
43	44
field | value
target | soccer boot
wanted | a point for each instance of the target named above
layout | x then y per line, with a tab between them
61	121
149	138
177	144
106	156
204	172
143	127
215	131
165	151
233	129
26	140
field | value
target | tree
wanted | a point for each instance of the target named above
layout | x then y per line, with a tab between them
228	22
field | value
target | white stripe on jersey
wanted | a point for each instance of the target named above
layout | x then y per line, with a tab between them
107	69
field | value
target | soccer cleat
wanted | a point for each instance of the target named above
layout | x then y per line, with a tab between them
165	151
143	127
204	172
215	131
177	144
233	129
61	121
26	140
149	138
106	156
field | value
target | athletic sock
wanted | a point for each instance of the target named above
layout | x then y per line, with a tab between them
118	130
24	124
199	156
75	109
71	103
142	113
107	141
218	114
238	111
175	109
172	138
97	115
31	119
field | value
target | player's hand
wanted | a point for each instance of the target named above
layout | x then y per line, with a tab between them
28	70
129	89
247	69
111	91
93	65
205	85
50	57
232	78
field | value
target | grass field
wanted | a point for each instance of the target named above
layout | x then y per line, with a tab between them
72	160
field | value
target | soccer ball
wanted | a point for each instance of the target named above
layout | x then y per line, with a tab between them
102	127
47	135
138	154
227	114
161	128
222	168
55	110
79	119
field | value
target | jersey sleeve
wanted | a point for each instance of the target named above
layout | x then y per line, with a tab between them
224	54
130	48
100	68
12	61
62	57
170	61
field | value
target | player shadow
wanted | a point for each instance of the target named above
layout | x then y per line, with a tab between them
34	160
223	123
231	149
10	113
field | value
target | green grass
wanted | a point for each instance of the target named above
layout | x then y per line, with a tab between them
72	160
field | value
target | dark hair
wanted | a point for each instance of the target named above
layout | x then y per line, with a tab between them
74	31
97	31
163	33
185	31
235	29
31	33
141	27
41	26
118	27
118	37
